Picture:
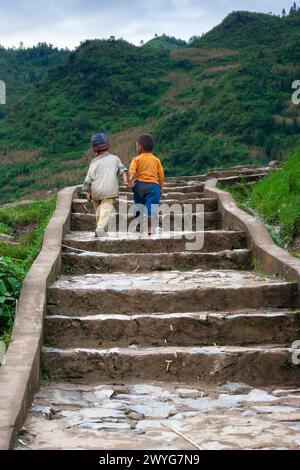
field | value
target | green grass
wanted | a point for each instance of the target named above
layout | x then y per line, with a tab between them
26	223
276	200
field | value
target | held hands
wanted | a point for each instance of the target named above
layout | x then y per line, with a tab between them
130	182
126	180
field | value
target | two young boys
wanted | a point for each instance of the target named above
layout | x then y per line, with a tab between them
146	177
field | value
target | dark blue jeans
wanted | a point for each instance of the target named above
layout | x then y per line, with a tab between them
148	195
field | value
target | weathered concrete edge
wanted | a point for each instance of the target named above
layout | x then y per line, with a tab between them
20	375
272	259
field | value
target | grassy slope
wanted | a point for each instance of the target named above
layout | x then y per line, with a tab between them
207	107
26	223
277	198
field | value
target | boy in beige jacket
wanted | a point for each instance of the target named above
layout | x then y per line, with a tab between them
102	181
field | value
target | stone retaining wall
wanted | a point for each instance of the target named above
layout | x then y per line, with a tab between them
271	258
20	374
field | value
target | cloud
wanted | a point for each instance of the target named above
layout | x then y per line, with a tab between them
68	22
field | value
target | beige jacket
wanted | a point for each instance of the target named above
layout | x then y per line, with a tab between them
102	177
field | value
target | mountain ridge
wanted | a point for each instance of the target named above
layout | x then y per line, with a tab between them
215	102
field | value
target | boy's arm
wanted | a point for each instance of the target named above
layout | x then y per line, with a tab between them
88	183
125	178
161	175
132	171
123	172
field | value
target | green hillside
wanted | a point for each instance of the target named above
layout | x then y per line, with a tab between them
243	30
104	83
237	107
165	42
224	99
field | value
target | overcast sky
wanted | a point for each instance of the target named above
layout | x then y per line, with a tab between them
67	22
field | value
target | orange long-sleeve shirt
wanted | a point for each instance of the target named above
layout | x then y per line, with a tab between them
148	169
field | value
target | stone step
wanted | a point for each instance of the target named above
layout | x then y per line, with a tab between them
174	188
180	183
180	196
186	179
223	173
86	207
87	222
175	329
168	292
259	365
167	242
166	195
233	180
87	263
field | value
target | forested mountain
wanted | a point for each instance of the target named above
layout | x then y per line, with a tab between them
222	99
165	42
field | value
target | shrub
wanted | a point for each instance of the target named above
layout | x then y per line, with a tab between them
11	277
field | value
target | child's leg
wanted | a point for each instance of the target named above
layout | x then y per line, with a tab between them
139	193
96	205
152	201
105	210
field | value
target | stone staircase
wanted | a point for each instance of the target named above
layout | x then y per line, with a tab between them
133	308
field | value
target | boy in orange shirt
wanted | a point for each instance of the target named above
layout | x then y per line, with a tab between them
147	173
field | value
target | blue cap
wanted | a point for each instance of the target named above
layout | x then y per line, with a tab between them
100	140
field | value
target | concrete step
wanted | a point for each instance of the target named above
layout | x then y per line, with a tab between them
87	222
175	329
259	365
168	292
87	263
85	207
167	242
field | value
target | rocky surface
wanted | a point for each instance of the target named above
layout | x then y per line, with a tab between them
147	416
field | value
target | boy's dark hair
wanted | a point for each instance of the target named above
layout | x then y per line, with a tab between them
147	142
